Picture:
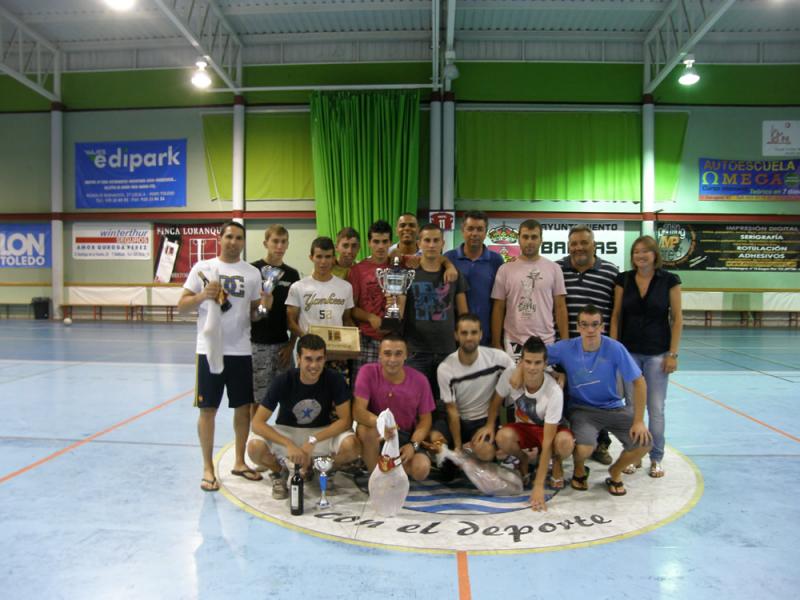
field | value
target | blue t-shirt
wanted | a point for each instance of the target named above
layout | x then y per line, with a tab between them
304	405
480	274
592	376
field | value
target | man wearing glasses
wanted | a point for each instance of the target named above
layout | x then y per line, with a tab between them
592	362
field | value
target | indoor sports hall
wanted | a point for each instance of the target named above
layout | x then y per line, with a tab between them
132	130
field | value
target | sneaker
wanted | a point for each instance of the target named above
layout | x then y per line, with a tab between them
602	455
280	491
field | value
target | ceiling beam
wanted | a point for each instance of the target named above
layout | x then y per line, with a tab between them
682	25
38	61
205	27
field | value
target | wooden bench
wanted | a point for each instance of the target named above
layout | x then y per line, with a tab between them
9	306
132	312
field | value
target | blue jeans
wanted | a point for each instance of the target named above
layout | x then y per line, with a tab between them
652	367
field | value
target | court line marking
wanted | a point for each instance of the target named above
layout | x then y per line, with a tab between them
747	369
464	590
761	358
12	362
690	504
92	437
736	411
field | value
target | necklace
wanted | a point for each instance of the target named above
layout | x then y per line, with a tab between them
594	364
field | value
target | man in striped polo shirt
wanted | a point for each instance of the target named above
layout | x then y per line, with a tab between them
589	280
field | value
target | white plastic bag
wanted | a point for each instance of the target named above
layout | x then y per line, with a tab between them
388	484
489	477
212	332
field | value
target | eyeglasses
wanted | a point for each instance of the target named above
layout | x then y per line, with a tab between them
592	325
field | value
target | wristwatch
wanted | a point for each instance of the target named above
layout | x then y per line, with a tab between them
415	445
672	354
312	440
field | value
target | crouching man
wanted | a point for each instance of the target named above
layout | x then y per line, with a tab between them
303	429
539	423
592	363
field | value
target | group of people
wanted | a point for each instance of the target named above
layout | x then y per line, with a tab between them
481	339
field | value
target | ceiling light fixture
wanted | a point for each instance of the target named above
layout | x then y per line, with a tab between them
121	4
689	75
201	79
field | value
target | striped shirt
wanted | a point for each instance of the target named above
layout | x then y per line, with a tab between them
594	286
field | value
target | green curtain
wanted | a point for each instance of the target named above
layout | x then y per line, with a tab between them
561	156
365	149
277	156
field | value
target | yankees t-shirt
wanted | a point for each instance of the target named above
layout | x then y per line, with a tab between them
320	302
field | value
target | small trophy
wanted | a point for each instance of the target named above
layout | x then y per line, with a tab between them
269	279
394	281
323	464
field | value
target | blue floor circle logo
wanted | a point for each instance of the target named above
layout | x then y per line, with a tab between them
451	517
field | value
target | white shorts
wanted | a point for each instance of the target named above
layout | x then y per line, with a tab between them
299	436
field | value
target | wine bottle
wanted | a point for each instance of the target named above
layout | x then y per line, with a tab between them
296	492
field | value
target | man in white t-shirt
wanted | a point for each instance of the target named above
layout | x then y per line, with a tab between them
529	296
467	380
236	286
538	404
320	298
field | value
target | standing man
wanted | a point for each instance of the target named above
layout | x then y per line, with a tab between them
369	298
231	282
272	346
390	384
592	363
348	244
529	296
320	298
303	429
432	305
407	228
589	280
479	267
467	379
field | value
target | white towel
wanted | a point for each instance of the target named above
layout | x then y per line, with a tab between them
212	332
388	490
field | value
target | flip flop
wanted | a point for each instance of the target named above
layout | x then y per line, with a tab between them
581	481
209	485
614	487
555	483
248	474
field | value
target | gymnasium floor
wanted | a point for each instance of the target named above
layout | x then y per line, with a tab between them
100	498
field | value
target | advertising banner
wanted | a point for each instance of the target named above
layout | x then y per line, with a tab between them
609	236
111	241
179	247
720	247
780	138
749	180
140	174
25	246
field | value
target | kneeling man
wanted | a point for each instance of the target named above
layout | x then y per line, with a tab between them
303	429
538	403
592	362
407	393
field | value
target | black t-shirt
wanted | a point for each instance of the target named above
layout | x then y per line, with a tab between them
304	405
273	328
430	314
645	321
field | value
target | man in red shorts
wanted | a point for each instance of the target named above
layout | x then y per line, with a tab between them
538	403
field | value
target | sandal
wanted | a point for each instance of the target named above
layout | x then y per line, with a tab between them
631	469
656	470
615	488
555	483
209	485
580	483
248	474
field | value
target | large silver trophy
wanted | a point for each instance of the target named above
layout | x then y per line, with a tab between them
394	281
323	464
269	279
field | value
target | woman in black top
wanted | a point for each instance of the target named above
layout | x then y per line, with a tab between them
647	320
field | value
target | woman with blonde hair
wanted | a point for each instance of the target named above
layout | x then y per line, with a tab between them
647	320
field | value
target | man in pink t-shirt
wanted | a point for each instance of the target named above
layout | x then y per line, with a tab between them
529	296
390	384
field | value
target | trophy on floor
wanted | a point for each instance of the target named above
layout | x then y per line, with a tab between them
323	464
270	276
394	281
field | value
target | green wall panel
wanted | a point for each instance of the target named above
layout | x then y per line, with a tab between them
24	163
